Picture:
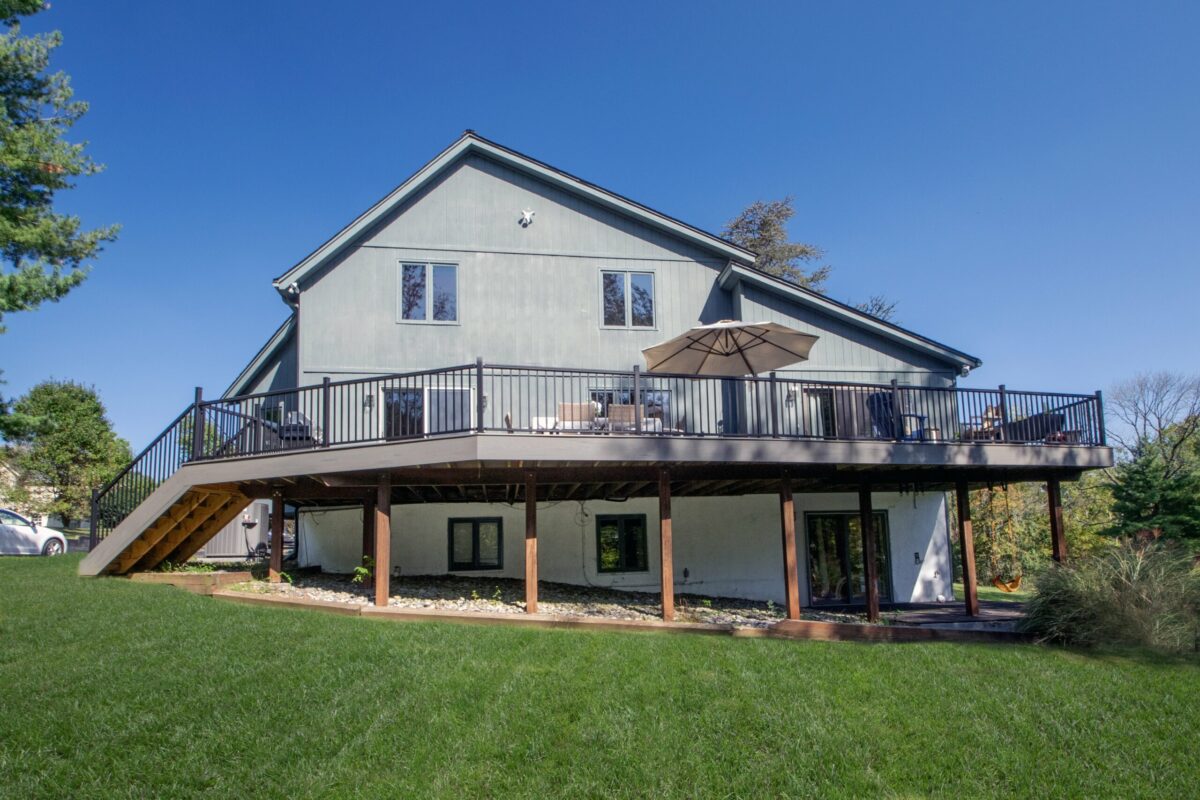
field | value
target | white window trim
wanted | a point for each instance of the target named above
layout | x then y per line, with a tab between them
429	265
627	273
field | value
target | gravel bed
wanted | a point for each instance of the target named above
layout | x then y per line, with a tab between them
507	596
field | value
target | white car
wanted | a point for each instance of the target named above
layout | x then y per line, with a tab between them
19	536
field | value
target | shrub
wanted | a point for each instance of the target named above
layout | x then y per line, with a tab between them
1144	594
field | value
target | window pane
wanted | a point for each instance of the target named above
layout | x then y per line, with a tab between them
449	410
609	534
658	404
489	544
614	298
412	292
641	300
445	293
462	544
403	413
825	579
635	544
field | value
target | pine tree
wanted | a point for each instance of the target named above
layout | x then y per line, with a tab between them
43	254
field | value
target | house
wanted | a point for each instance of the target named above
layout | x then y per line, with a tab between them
457	389
22	495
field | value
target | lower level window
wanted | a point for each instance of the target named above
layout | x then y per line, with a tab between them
836	569
621	543
476	543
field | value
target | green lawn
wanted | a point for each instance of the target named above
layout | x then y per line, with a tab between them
988	592
114	689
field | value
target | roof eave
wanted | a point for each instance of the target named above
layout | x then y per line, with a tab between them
469	142
274	344
733	273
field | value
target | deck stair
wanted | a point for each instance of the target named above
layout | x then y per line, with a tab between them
180	531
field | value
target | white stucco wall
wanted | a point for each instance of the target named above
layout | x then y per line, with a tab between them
730	546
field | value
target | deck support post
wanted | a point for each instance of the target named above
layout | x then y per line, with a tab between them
1058	539
787	519
383	540
276	564
866	516
531	571
368	531
966	539
666	554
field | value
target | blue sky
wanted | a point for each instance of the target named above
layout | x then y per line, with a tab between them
1024	178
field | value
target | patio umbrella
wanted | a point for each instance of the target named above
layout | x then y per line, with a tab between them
730	348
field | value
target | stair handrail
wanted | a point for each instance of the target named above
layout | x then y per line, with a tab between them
100	493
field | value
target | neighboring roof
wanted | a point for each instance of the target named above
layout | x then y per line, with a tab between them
269	351
733	273
471	142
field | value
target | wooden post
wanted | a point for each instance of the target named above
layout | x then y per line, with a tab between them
276	565
1058	539
966	539
787	518
368	532
866	518
530	543
665	545
383	540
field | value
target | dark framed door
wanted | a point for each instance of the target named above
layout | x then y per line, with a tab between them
836	570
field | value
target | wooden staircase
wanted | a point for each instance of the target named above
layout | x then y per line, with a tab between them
180	531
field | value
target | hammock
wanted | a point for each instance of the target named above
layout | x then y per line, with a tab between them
1007	586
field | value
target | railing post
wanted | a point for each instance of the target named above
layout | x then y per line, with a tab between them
774	406
1003	413
256	432
198	425
1100	419
94	520
480	399
326	416
637	398
897	419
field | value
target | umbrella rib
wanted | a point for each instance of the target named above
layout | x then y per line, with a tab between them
688	346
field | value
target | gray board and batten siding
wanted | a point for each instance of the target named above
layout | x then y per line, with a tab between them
531	294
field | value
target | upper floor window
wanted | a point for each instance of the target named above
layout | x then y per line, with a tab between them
428	293
627	299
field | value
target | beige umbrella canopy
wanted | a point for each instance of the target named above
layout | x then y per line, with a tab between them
730	348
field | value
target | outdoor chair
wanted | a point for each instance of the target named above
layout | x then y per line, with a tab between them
622	417
1042	427
883	419
576	416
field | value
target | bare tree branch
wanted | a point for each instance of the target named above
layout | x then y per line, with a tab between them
1158	413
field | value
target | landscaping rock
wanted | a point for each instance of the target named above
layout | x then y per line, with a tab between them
507	596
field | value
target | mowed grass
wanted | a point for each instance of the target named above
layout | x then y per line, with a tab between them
115	689
986	591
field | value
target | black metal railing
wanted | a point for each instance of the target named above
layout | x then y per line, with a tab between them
483	397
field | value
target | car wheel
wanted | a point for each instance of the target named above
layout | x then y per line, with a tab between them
52	548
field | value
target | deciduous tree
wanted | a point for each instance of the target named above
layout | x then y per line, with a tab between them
67	445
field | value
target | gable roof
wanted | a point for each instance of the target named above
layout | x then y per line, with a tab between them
279	340
735	273
471	142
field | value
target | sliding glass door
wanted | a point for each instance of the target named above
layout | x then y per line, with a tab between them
836	570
